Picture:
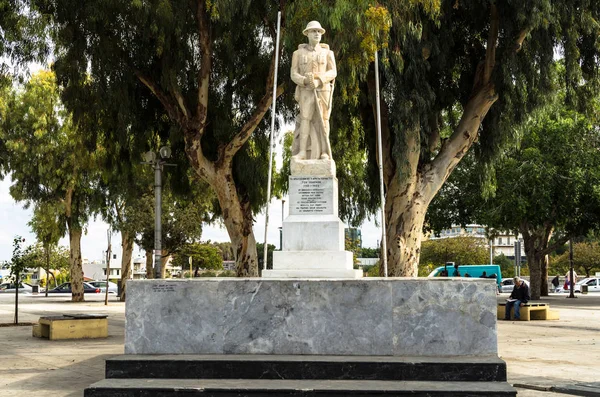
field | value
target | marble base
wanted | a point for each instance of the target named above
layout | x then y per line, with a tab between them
374	316
313	232
313	260
317	273
316	167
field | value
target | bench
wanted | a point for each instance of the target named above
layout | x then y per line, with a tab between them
72	326
530	311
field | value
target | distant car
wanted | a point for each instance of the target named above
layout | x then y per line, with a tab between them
593	284
65	288
112	287
24	288
508	285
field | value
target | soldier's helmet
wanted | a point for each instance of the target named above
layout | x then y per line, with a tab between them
313	25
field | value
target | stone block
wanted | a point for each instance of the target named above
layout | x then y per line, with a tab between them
374	316
73	327
314	233
314	261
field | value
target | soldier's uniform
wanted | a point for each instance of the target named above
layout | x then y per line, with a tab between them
320	62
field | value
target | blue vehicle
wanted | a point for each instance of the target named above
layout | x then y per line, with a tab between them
491	271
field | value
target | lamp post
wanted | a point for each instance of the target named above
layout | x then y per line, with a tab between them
158	163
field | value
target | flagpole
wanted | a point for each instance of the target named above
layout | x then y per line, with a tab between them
380	156
271	138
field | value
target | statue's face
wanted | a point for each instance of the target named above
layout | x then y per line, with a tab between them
314	35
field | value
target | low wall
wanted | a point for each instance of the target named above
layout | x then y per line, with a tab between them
373	316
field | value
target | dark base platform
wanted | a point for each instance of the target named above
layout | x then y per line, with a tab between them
260	388
332	376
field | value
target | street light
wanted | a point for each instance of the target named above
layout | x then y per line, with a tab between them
158	163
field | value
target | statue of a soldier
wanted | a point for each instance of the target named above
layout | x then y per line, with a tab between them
314	71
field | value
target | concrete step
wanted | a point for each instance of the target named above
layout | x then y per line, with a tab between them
306	367
297	388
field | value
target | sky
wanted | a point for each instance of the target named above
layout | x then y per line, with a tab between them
14	219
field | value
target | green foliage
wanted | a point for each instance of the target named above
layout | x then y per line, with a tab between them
586	259
460	250
18	263
45	154
204	256
226	250
372	271
351	245
369	252
22	38
182	219
260	251
58	257
102	77
507	266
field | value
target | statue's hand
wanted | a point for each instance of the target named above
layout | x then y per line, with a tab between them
309	80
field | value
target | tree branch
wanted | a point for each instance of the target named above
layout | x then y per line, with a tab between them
240	139
490	52
205	43
463	137
172	108
520	39
557	244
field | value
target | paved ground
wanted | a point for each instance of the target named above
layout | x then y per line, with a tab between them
539	354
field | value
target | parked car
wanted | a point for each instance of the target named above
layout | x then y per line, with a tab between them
24	288
112	287
65	288
508	285
593	285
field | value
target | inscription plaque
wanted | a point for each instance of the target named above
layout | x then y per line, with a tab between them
311	196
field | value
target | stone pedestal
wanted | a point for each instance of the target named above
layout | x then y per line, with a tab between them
367	317
313	235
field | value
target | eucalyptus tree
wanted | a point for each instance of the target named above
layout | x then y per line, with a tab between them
49	163
48	228
460	73
546	188
202	70
22	38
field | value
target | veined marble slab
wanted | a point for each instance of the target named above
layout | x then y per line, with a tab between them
374	316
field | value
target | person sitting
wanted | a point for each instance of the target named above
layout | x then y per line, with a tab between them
456	273
484	274
444	273
518	297
467	275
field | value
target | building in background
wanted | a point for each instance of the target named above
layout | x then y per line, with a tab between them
353	236
503	243
96	269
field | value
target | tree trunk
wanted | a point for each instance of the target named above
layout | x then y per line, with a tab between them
76	266
405	214
413	184
164	258
149	264
544	276
237	216
535	274
534	245
127	244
